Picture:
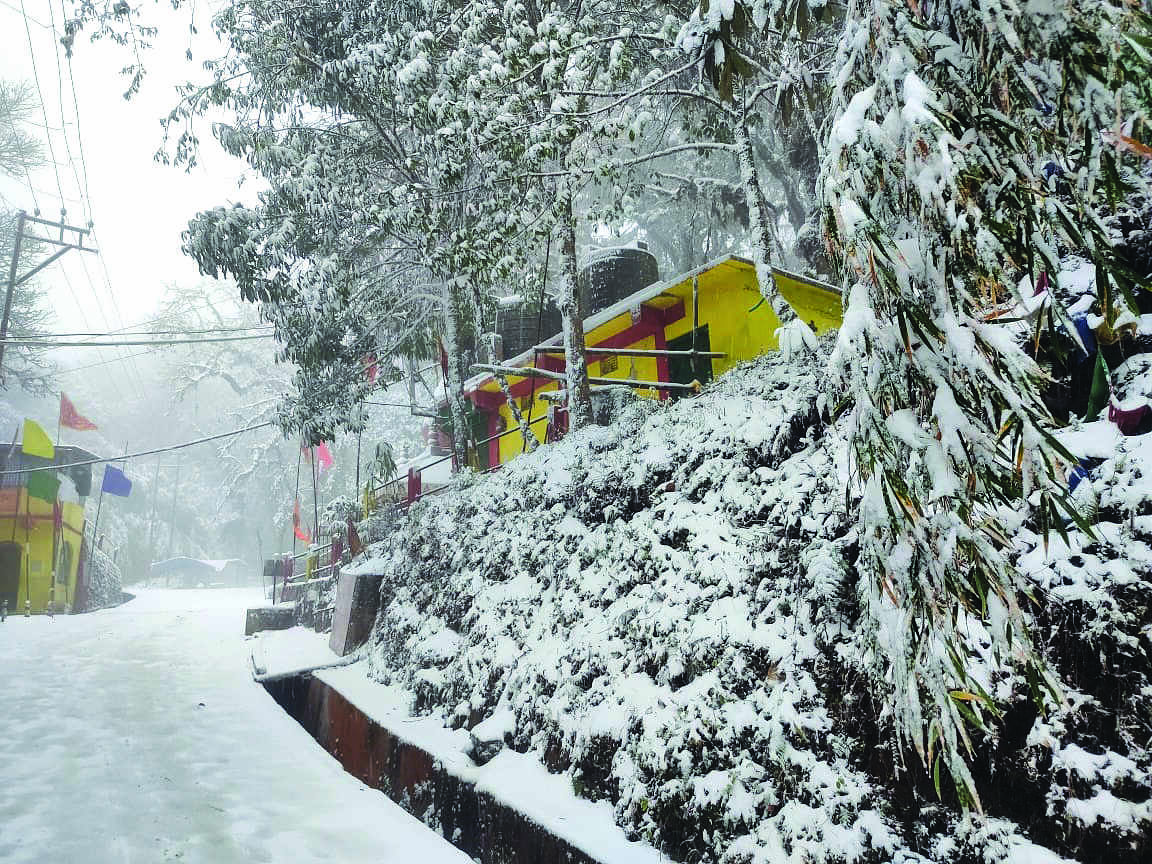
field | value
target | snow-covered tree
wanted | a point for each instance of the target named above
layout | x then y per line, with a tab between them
955	122
21	152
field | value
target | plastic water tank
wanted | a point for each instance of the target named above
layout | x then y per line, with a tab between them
520	325
611	274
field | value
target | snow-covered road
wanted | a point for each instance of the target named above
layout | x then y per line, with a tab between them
136	734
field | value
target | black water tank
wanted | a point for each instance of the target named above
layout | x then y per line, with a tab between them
610	275
521	324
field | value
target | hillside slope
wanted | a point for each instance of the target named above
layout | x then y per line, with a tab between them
666	608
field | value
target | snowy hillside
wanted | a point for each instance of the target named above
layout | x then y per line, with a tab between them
666	609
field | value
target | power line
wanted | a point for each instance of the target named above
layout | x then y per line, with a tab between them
101	363
145	332
152	452
32	343
63	121
107	323
43	110
75	107
16	8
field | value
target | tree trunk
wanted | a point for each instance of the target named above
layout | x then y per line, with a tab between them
455	382
760	224
572	312
530	442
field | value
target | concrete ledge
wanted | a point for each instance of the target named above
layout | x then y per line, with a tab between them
269	618
471	819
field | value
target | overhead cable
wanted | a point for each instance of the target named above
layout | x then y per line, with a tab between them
152	452
34	343
180	332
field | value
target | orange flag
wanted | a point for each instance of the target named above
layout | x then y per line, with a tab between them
300	533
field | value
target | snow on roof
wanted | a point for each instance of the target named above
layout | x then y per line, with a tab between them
180	562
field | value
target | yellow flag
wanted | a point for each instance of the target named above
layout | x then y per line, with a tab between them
36	441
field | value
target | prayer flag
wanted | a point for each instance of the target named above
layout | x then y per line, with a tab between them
324	455
71	418
300	533
115	483
36	441
43	485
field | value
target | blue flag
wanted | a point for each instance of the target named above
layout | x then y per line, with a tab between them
115	483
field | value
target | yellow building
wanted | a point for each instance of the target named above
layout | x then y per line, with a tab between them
732	324
40	549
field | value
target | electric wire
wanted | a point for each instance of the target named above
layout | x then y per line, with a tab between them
32	343
75	112
86	206
43	109
75	299
107	323
100	363
141	332
151	452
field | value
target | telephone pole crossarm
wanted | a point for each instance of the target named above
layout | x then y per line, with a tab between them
70	237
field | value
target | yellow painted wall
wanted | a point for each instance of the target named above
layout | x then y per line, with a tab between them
36	544
739	325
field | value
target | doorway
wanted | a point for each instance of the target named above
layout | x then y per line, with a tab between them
10	575
685	370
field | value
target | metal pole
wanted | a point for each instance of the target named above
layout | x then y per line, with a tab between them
315	508
152	515
172	514
12	268
358	436
95	529
296	499
695	322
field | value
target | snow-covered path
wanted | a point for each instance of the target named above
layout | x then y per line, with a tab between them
136	734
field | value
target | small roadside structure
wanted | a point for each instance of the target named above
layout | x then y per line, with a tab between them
674	335
183	572
42	545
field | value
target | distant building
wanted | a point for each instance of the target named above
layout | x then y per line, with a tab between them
195	572
42	545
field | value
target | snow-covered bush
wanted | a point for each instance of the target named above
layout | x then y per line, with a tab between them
103	582
671	608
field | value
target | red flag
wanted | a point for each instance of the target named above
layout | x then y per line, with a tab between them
71	418
320	453
371	368
324	455
300	533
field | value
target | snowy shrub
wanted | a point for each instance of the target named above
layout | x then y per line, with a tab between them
103	582
671	608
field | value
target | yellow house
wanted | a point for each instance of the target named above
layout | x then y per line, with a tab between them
40	547
728	321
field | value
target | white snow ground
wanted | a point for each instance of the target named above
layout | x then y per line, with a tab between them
136	734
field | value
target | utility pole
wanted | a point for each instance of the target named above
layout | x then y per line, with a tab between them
175	495
152	517
62	243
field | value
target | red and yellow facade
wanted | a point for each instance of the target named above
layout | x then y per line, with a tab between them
731	321
39	553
